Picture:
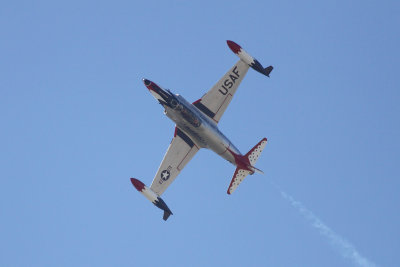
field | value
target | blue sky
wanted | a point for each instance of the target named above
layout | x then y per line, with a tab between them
77	123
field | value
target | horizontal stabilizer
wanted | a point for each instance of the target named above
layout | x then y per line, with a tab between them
242	170
237	178
255	152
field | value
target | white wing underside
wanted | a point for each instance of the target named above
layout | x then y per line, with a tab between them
215	101
179	153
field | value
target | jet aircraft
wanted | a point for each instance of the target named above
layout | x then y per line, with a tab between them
197	127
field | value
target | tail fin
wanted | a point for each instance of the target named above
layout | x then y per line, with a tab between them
250	159
167	213
268	70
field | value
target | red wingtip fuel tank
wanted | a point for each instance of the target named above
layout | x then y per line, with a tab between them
137	184
234	46
248	59
152	196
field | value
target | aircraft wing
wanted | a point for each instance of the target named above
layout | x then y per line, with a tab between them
179	153
215	101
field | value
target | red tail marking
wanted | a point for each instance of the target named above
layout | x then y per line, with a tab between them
242	162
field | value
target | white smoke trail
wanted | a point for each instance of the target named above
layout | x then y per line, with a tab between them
346	249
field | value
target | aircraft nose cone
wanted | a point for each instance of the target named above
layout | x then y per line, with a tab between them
146	82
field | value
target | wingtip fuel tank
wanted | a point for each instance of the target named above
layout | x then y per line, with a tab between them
152	196
248	59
